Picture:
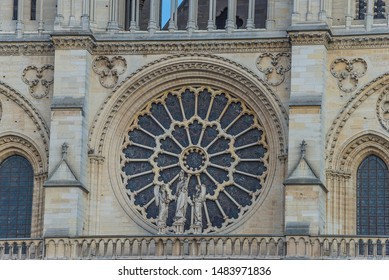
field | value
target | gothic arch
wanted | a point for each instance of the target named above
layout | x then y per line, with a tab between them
109	127
377	86
30	110
341	178
16	144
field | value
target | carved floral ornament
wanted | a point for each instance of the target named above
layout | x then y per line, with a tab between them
109	69
348	72
274	66
38	79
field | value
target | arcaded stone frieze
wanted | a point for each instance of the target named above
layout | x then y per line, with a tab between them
111	46
363	41
26	48
157	47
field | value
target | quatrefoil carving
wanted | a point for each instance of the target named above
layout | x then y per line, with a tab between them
109	69
274	66
38	79
348	72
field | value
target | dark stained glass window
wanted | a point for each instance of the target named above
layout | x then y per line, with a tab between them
372	197
33	10
378	9
16	191
15	10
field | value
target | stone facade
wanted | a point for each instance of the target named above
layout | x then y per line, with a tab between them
86	75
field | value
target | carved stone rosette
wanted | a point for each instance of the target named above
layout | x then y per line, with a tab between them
274	66
348	72
383	109
38	79
109	69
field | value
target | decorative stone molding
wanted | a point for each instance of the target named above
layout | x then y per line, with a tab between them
38	79
40	124
214	46
274	66
348	72
26	48
109	69
73	42
359	42
382	109
301	38
377	85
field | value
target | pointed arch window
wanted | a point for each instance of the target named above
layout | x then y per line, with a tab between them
379	9
16	193
372	197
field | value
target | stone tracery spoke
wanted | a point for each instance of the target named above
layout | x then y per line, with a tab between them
208	134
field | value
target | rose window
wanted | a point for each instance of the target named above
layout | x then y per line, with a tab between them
211	137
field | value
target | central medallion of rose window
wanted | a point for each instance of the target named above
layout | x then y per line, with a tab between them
194	161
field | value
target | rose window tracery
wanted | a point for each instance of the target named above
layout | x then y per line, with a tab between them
210	137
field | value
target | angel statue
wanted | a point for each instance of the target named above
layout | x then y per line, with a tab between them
182	198
199	199
162	201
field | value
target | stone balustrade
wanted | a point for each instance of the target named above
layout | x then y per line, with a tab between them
198	247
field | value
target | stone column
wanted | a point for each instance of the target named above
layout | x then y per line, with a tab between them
230	24
72	18
173	15
192	18
369	18
323	11
295	13
85	15
41	23
113	21
349	15
19	22
270	21
152	27
212	15
134	23
250	16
